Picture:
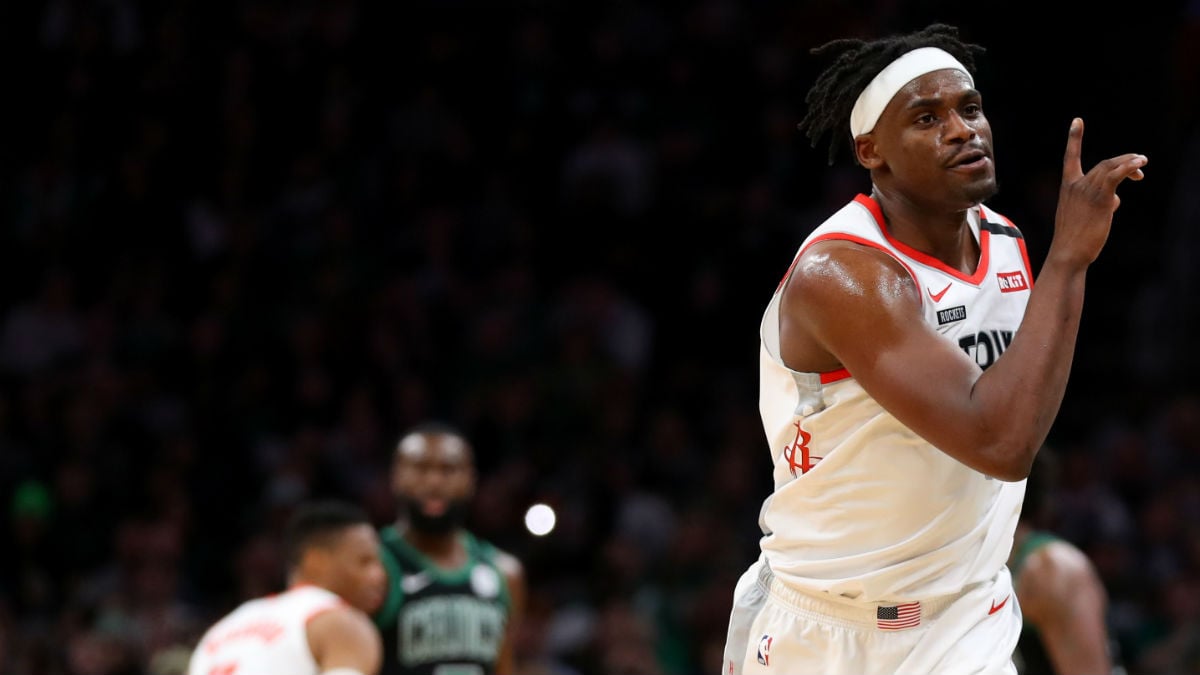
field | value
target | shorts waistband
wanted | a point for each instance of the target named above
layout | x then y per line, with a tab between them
874	616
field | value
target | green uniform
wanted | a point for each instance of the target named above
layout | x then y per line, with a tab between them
441	622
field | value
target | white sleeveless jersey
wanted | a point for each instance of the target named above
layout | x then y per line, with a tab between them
863	507
265	636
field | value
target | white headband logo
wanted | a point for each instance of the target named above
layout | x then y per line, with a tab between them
879	92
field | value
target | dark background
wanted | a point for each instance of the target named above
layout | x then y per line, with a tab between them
247	244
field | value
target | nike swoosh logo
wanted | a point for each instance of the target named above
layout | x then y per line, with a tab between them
412	583
937	297
996	608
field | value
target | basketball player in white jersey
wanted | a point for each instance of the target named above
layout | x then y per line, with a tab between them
320	624
909	371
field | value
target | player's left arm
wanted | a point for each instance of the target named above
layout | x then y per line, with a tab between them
1061	594
514	574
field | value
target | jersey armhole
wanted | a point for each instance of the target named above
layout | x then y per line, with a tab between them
488	553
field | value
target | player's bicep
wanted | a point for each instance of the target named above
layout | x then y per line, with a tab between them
864	308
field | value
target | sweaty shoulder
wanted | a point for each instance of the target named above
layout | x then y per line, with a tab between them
851	268
836	293
846	257
842	280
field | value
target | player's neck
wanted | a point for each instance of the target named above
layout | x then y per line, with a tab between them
304	581
443	548
946	235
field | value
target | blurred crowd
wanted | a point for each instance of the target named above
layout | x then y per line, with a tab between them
247	244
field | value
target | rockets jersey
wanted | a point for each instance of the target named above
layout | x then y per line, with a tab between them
264	636
863	507
436	621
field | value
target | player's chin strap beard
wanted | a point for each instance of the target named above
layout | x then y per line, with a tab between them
448	521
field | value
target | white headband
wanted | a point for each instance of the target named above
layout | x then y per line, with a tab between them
879	92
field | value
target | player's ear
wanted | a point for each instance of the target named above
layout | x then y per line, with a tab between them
866	152
316	562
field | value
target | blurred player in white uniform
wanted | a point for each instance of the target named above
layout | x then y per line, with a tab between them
320	625
909	372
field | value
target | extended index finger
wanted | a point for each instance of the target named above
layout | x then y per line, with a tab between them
1071	164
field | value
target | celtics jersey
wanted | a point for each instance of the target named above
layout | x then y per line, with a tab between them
436	621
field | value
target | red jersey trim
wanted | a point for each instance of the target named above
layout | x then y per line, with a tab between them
1020	245
835	375
926	259
842	236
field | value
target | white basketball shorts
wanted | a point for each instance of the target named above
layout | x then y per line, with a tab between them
774	629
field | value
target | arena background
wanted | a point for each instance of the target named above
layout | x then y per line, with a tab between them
246	244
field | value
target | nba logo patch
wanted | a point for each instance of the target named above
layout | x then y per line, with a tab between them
764	650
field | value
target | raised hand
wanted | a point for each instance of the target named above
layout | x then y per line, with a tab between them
1086	202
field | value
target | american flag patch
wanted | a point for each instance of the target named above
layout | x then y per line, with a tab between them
898	616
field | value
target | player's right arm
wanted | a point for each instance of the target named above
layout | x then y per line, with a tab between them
345	638
852	306
514	573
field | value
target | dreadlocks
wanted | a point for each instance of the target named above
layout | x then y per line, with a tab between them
832	96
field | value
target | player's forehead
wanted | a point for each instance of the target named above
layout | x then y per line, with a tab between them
946	86
444	448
